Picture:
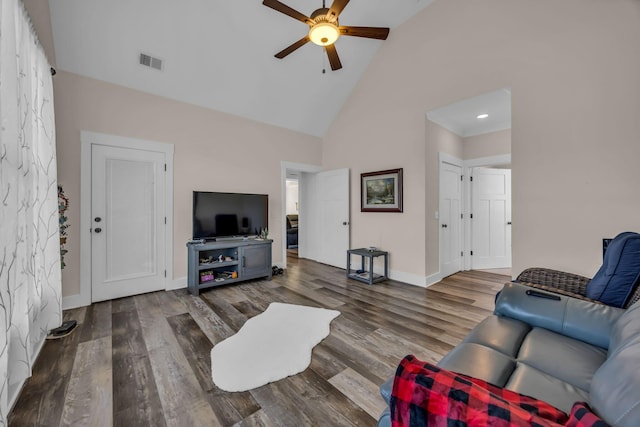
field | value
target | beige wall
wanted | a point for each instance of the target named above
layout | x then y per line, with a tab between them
443	140
371	140
486	145
574	71
213	151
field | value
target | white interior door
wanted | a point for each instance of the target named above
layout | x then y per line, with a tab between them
324	217
333	195
127	222
491	222
450	219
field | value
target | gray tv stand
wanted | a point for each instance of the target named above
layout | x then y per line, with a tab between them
241	260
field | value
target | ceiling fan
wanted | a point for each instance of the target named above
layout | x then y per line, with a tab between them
324	29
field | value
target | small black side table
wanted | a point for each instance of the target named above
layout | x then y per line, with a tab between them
368	277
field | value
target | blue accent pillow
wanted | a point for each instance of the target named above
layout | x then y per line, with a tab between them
619	275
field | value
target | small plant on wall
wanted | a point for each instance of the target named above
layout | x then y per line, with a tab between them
63	205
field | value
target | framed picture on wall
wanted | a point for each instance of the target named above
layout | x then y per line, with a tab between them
381	191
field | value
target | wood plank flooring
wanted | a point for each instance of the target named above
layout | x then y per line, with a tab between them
145	360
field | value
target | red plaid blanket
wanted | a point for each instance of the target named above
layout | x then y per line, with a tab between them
426	395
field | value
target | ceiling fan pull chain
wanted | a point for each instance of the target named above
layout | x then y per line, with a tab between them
324	62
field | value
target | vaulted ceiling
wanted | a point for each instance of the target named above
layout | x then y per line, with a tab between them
219	54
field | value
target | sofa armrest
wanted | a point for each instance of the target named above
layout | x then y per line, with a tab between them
583	320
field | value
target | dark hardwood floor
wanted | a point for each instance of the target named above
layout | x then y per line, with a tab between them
145	360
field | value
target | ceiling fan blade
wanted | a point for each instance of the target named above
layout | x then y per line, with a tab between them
286	51
334	59
336	8
368	32
283	8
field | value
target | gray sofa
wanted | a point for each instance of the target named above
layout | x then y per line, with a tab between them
557	349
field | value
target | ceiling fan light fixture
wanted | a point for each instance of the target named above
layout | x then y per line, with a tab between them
324	33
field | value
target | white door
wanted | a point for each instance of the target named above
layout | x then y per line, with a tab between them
333	196
491	222
324	217
127	222
450	219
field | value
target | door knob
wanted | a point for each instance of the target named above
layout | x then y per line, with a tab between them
345	223
444	225
97	219
97	230
509	223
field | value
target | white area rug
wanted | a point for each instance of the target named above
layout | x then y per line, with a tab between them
270	346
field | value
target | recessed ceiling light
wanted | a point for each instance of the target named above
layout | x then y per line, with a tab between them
482	116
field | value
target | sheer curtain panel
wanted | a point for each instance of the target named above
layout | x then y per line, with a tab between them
30	284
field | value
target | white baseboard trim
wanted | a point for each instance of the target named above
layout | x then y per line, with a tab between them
74	301
415	279
409	278
179	283
433	279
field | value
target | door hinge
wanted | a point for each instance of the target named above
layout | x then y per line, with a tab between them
461	216
471	216
165	220
461	177
165	273
471	178
461	253
165	167
471	253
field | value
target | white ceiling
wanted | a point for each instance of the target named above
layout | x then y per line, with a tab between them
461	117
219	53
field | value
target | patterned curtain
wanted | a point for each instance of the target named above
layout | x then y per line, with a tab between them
30	281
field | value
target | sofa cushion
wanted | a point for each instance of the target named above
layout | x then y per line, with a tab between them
615	388
535	383
424	394
583	320
385	419
626	330
618	276
385	390
499	333
478	361
570	360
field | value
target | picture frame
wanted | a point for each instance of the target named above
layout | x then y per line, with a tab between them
381	191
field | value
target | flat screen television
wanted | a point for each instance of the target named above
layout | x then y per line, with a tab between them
217	215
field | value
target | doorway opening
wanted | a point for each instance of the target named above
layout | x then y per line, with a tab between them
473	140
323	213
292	203
292	193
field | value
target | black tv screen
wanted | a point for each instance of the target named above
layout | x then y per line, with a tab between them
229	214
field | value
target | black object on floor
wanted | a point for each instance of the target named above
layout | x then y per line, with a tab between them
275	270
63	330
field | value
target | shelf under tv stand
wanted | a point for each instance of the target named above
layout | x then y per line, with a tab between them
248	258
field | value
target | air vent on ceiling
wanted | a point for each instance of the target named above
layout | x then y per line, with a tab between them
150	61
